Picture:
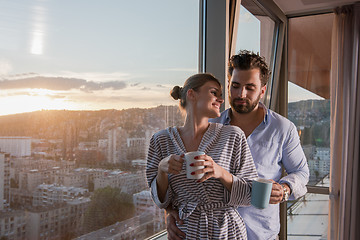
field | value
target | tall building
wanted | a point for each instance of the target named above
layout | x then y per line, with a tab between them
13	225
59	221
117	145
148	134
135	148
16	146
4	180
150	214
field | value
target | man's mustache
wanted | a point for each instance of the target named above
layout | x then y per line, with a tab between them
241	99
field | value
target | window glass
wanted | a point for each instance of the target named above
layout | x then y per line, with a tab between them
84	85
255	33
309	60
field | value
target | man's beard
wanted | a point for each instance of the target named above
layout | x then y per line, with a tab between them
247	108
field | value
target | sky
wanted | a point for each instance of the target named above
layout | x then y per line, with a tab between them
91	55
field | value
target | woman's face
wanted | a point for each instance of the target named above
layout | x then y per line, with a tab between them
208	99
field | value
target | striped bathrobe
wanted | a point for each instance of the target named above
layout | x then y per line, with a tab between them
208	209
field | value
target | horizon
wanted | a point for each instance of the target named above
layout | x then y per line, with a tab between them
46	64
124	109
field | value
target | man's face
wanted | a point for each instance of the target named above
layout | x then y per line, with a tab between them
245	90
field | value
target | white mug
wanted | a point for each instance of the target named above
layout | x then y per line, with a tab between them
190	158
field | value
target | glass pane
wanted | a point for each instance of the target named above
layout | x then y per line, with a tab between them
84	85
255	33
308	217
309	63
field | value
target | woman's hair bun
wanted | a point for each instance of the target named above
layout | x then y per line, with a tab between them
176	92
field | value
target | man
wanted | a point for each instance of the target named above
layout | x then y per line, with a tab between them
273	141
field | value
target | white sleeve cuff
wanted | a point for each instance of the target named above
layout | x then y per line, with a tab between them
155	197
298	189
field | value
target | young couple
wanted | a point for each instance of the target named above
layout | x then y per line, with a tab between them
213	207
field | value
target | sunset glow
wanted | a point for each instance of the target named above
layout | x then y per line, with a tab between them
38	99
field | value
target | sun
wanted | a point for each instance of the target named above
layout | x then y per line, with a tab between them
33	100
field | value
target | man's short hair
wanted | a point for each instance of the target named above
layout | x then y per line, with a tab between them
247	60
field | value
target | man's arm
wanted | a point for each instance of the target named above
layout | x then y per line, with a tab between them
174	233
295	164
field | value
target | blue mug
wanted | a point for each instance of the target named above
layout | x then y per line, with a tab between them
260	193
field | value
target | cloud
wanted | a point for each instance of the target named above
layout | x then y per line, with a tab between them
134	84
60	84
191	70
95	76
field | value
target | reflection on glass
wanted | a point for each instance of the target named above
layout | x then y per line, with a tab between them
309	109
84	85
309	88
255	33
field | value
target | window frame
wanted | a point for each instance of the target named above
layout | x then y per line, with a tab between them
311	189
276	97
216	26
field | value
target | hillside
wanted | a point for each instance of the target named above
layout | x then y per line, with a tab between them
88	125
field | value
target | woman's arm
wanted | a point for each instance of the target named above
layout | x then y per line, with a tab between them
244	171
154	157
157	170
171	164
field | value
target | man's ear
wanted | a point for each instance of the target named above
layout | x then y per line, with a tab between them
263	89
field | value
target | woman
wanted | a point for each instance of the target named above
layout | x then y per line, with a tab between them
207	206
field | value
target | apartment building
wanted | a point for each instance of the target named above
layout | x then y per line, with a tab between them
13	225
58	221
49	194
123	180
16	146
4	180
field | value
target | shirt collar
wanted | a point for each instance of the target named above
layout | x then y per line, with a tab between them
266	111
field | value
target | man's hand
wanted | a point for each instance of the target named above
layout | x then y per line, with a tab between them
277	192
174	233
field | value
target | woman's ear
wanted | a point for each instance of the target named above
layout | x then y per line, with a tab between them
191	94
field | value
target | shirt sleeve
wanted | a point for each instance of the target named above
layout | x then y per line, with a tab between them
244	171
155	197
295	164
153	160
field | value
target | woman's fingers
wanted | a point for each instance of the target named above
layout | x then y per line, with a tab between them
175	164
172	164
210	169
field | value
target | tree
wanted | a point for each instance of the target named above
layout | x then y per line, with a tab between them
108	206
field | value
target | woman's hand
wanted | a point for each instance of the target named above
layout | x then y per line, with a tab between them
172	164
211	169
